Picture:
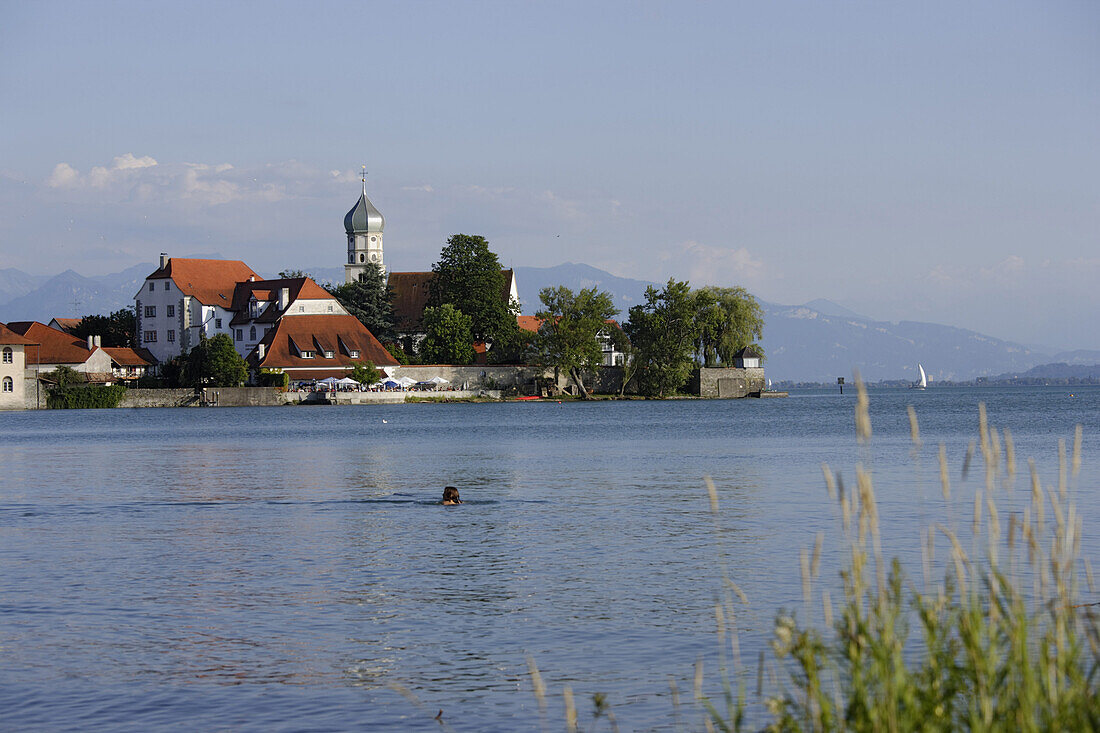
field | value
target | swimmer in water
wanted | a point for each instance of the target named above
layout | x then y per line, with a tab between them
450	496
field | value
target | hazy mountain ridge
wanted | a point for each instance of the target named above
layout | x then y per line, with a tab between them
817	341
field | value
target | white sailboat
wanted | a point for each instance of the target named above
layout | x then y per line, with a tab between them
921	383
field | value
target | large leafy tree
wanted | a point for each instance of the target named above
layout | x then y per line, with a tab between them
664	331
214	362
370	299
448	339
468	276
570	324
729	319
116	329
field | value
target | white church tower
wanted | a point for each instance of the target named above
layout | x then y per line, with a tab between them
364	225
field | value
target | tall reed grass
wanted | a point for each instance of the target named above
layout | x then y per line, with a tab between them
993	635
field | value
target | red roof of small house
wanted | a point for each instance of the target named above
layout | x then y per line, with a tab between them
55	347
66	324
9	337
340	334
529	323
267	291
211	282
124	356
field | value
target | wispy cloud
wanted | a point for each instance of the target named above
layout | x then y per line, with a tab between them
706	264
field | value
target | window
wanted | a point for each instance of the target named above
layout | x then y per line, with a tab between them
307	354
167	285
240	334
301	309
151	286
150	311
217	323
150	337
9	386
330	309
354	353
252	333
362	258
8	355
171	336
170	311
329	354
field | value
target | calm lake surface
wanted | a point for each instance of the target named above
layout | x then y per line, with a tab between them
286	568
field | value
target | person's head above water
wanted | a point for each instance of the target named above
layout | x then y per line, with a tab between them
450	496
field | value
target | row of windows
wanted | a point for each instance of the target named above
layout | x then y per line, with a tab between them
153	285
9	386
8	355
151	311
354	354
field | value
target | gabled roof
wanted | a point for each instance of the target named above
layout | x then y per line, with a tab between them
340	333
410	296
68	325
127	357
529	323
267	291
9	337
211	282
56	347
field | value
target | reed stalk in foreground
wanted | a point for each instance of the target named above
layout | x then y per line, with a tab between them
1002	642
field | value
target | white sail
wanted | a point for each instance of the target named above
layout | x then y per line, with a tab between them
923	381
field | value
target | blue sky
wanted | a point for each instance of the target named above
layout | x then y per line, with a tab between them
925	161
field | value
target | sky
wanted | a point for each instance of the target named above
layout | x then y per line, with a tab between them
932	161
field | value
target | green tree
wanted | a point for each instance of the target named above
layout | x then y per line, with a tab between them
468	276
116	329
570	324
364	372
729	319
663	332
214	363
370	300
448	339
294	274
65	376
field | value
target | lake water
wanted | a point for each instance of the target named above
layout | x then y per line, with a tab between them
290	568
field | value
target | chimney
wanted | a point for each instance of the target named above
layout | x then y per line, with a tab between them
91	343
163	260
251	278
98	341
284	298
260	351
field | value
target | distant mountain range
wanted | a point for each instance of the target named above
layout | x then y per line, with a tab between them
817	341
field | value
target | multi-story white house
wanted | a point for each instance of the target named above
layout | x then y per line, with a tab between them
184	298
13	360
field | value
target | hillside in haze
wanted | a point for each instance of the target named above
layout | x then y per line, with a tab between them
817	341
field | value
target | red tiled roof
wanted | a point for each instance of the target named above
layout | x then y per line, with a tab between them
67	324
9	337
125	356
529	323
211	282
266	291
410	296
339	333
57	347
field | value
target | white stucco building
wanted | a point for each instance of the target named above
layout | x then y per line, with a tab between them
13	360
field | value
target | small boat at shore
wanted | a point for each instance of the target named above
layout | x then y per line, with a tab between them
524	399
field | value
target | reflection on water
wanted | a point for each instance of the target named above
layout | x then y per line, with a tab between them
283	567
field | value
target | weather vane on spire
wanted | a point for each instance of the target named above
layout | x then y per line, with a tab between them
364	180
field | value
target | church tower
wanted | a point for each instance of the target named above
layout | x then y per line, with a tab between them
364	225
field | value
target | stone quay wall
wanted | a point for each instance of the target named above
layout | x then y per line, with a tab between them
159	398
730	383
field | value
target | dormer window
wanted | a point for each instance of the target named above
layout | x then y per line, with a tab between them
307	354
354	353
329	354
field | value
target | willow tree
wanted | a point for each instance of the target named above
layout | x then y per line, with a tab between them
571	324
664	331
729	319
